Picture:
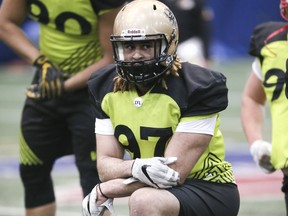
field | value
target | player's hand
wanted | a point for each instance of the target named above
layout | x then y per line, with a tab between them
50	84
155	172
261	152
90	208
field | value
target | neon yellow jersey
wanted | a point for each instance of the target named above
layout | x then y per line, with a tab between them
69	30
273	58
145	130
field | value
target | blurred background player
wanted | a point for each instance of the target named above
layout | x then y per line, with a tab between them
56	119
268	82
194	20
177	164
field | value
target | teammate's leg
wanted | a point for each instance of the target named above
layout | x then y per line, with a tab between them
285	189
37	182
44	210
82	126
41	137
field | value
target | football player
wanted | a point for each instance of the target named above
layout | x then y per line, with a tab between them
56	120
166	114
267	83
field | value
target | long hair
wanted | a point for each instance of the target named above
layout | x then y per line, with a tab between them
122	85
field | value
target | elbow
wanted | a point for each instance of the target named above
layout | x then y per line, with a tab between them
102	177
102	174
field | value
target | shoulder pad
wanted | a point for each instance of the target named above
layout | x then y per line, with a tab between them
259	35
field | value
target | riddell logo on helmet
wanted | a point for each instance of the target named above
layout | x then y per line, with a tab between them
133	32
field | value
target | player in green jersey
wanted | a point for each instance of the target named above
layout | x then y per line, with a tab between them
166	114
56	119
268	83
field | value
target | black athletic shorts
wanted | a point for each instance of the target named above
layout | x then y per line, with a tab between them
50	130
202	198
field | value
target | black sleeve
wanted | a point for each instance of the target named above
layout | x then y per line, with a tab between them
207	90
198	91
100	83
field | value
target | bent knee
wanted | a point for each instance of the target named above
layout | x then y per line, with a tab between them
139	199
150	201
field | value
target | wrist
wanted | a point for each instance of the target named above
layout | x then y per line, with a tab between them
40	60
100	192
134	168
133	162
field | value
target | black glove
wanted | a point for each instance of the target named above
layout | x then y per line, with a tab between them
50	83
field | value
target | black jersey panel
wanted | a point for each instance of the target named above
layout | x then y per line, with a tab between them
100	83
197	91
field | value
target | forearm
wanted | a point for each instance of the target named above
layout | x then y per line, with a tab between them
113	168
105	30
192	147
252	118
79	80
14	37
117	189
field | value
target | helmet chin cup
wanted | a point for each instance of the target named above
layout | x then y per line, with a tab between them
142	73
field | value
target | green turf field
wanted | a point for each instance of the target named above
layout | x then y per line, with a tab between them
12	86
